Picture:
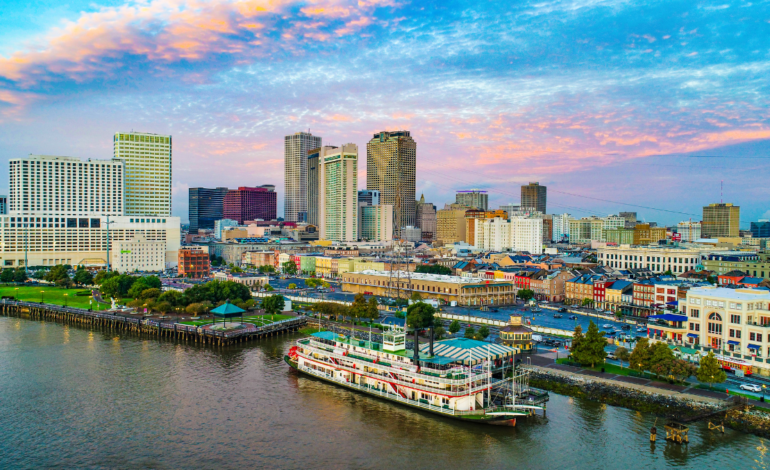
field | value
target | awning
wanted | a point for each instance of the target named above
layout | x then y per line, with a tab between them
668	317
754	346
463	349
734	343
692	335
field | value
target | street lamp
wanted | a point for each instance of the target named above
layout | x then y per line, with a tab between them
17	293
65	299
41	296
763	391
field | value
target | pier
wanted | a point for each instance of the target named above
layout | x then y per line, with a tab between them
154	328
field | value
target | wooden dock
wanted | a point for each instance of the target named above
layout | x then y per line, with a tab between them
153	328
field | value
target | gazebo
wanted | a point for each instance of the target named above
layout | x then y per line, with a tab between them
227	310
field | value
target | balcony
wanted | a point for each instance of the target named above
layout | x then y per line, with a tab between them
761	325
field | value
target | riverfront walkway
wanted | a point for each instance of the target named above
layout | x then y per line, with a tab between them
546	362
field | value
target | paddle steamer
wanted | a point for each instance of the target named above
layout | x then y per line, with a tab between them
458	378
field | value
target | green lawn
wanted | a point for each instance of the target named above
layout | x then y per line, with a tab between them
259	320
615	369
50	295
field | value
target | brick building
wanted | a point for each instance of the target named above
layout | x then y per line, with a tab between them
193	262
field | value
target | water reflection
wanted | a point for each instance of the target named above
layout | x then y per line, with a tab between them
97	399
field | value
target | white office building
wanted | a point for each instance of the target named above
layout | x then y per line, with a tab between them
221	224
514	234
561	227
338	193
690	231
138	254
147	160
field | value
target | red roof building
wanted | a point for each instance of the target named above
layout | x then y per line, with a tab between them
246	203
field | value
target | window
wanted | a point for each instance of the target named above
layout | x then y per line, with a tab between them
694	313
736	319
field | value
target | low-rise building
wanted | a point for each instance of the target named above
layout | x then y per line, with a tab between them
447	289
194	262
250	280
258	258
138	254
516	335
656	258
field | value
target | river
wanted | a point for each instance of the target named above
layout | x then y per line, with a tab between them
78	398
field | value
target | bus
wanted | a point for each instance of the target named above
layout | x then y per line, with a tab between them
732	364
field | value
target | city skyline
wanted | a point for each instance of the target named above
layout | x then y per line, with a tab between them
498	108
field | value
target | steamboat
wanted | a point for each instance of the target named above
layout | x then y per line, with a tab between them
459	378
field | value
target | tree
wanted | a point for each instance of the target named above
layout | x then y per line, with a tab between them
372	311
470	332
273	304
578	341
661	359
312	282
266	268
64	282
586	302
419	316
269	288
289	267
640	356
622	354
710	371
416	297
140	284
682	370
199	308
151	293
7	275
83	277
454	327
590	349
103	275
292	286
20	275
359	306
439	332
162	307
433	269
173	297
56	273
483	333
525	294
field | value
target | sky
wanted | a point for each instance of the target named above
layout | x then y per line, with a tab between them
658	107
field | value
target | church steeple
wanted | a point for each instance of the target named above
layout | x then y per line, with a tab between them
422	198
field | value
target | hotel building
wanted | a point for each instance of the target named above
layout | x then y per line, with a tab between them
296	150
147	160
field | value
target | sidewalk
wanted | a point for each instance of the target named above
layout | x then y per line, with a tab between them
543	361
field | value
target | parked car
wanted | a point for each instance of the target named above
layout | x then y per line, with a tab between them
562	310
573	317
751	388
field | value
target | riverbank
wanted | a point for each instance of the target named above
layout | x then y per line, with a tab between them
671	404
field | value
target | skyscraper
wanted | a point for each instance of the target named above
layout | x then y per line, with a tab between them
426	219
391	159
721	220
245	203
474	198
147	160
205	207
338	193
296	151
533	197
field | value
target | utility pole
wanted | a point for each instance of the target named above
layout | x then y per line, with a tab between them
108	242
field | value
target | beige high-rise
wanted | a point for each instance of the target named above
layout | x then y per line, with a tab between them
147	160
338	193
296	150
391	163
721	220
450	224
533	197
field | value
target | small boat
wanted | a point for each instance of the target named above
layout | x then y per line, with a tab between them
607	326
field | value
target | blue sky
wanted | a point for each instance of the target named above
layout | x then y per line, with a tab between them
605	102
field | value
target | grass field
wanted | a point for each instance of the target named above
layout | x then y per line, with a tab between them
259	320
50	295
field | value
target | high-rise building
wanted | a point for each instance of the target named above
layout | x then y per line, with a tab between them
412	234
367	197
450	224
338	194
759	229
516	234
561	227
205	206
314	184
689	231
377	223
147	160
3	204
473	198
426	219
721	220
66	186
391	159
629	217
246	203
533	196
585	229
547	227
297	149
510	207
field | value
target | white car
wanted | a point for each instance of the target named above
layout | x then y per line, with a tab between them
751	388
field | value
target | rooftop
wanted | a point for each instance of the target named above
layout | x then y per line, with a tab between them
427	277
733	294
